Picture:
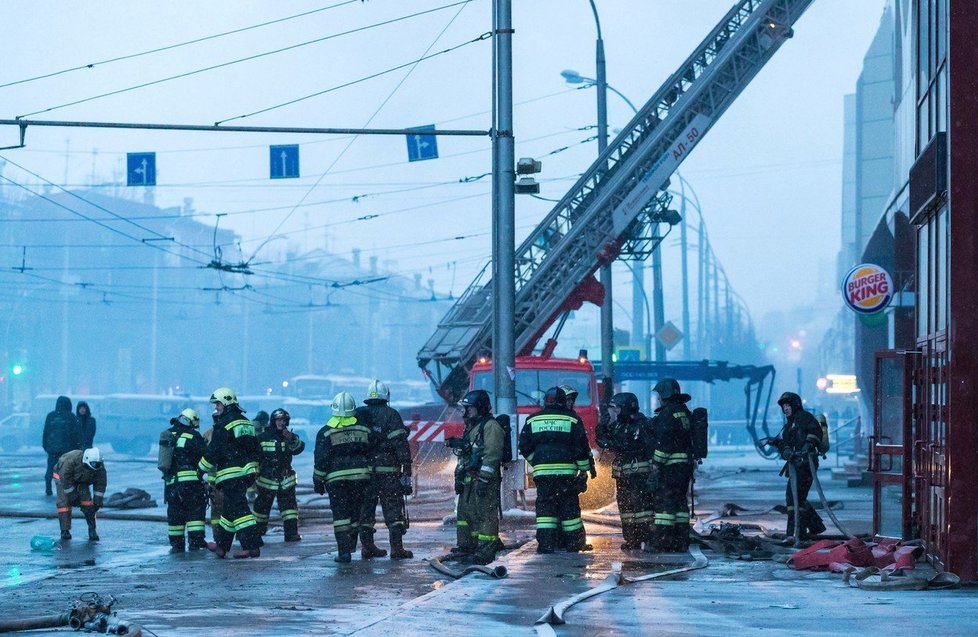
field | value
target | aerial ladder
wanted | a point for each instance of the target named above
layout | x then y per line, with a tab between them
615	207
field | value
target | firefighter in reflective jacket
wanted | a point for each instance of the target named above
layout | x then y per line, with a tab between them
276	478
672	468
799	439
625	431
391	480
74	473
344	448
477	480
185	494
232	459
555	444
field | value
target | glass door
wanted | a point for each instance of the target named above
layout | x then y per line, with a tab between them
890	450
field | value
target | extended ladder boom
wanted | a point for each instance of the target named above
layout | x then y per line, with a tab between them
619	195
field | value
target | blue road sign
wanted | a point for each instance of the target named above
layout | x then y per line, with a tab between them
283	161
421	147
140	169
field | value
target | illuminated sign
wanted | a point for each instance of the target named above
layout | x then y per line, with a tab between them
867	289
840	384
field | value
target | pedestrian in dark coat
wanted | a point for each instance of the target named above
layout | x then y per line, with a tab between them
86	425
60	436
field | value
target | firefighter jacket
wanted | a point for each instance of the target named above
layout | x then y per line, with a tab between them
801	434
344	449
630	439
484	450
233	450
554	442
275	467
672	432
60	429
393	455
188	448
72	473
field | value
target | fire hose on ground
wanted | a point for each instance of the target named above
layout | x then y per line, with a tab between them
91	612
496	572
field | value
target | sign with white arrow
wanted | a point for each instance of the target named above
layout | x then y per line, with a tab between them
422	147
140	169
283	161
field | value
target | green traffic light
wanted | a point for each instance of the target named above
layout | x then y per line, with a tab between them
17	370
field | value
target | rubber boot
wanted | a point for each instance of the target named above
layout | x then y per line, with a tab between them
633	537
291	528
370	550
658	539
398	552
546	541
789	530
64	521
262	528
486	553
680	538
345	544
197	540
813	523
92	531
246	553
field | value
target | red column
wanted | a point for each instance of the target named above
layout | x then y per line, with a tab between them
961	497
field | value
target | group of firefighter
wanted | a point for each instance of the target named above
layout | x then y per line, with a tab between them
362	457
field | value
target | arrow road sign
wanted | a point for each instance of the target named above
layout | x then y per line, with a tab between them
140	169
421	147
283	161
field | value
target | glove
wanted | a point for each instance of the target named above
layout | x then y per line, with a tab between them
407	488
581	482
97	502
482	488
319	487
593	471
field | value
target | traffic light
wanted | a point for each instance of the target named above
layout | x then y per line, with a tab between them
16	369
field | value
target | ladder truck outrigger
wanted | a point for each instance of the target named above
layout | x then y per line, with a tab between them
613	209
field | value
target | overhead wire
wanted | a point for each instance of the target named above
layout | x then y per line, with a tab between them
178	45
243	59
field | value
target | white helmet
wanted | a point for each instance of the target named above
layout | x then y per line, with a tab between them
378	390
344	404
92	458
188	418
225	396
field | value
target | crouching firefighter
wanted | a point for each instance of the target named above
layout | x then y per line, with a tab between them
344	447
391	480
625	431
800	438
181	448
74	474
477	480
232	458
555	444
276	477
672	468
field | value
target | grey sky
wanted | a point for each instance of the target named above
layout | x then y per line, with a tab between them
768	175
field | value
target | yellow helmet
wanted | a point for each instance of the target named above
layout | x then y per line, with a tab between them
188	417
344	404
225	396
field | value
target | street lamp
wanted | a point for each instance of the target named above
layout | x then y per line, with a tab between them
573	77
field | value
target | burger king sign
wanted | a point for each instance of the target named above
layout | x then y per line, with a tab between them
867	288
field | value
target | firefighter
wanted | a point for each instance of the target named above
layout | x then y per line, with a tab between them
214	496
74	473
184	492
672	468
276	477
555	444
391	480
232	459
344	448
477	480
626	432
797	440
571	394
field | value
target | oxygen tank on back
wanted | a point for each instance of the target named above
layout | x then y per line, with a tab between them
701	433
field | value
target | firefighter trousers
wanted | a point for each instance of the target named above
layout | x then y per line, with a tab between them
559	512
346	499
79	495
236	517
635	508
384	488
671	505
804	514
288	508
477	526
186	510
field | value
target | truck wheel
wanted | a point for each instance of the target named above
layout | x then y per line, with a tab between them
601	490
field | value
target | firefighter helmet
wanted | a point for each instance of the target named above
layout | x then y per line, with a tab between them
344	404
570	392
280	413
555	397
92	458
627	402
790	398
225	396
378	390
478	398
188	418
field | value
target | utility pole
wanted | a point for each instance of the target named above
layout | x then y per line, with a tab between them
657	299
504	239
685	270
